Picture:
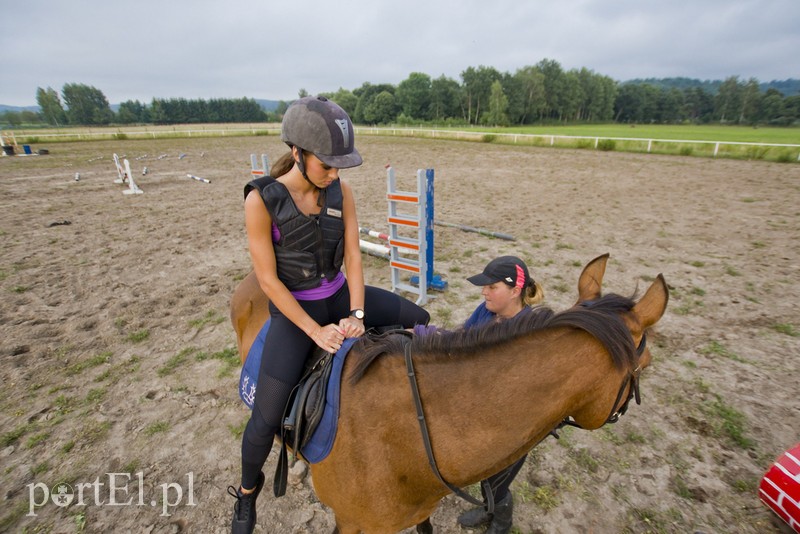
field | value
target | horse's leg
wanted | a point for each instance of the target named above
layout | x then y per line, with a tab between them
425	527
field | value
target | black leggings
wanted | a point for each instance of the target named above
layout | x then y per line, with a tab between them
286	348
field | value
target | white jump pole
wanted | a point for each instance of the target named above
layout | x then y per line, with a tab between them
133	189
121	176
374	249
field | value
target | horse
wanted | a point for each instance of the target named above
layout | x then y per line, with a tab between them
579	366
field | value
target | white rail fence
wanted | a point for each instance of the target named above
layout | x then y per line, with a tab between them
517	138
474	135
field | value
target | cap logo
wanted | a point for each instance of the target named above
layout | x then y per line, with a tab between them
520	277
345	128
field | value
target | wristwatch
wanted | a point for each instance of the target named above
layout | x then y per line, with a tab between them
358	314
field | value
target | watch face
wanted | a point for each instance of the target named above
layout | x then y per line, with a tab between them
358	314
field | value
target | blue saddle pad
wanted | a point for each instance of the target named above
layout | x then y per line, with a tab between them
321	442
249	376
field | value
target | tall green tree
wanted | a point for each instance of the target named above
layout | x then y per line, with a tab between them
791	106
635	102
669	108
698	105
365	110
133	112
554	87
498	106
413	96
445	99
772	109
346	99
50	104
86	105
528	101
382	109
572	98
728	102
477	85
751	101
599	93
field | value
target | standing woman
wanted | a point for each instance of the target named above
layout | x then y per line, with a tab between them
301	226
508	291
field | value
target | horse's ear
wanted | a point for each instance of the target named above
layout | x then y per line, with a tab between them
652	305
591	280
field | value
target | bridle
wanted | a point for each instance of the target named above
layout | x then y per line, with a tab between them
633	385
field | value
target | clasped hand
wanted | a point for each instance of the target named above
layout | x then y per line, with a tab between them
352	327
331	337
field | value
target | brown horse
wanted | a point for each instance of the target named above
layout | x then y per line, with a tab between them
581	363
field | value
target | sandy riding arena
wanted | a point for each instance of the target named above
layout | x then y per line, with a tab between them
119	369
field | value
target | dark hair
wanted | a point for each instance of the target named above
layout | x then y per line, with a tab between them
283	165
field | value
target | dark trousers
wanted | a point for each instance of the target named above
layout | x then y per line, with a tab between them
501	482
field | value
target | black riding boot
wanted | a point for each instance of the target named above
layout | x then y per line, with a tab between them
479	516
502	517
474	518
244	511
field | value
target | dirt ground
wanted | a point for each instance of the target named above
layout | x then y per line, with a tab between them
117	355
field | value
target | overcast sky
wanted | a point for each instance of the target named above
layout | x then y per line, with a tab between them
138	50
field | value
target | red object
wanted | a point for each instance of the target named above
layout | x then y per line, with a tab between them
780	487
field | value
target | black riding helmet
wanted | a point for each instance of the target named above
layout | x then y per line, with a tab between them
315	124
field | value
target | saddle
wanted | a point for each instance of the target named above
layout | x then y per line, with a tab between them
307	401
303	413
306	406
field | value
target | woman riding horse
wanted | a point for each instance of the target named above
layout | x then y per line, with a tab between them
301	227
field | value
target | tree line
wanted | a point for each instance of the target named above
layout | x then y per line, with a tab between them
535	94
86	105
546	93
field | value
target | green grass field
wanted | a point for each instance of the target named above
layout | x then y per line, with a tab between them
738	134
685	140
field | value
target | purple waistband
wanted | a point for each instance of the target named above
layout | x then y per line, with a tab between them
323	291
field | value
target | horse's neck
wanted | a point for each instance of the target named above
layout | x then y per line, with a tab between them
491	408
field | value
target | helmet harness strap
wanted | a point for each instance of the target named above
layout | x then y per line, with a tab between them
301	164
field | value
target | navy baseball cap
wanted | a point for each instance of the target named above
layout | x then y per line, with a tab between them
508	269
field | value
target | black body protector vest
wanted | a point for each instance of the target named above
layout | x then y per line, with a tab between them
309	248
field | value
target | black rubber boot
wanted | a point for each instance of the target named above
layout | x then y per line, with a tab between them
502	519
474	518
244	511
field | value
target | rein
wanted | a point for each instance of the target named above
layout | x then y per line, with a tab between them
426	439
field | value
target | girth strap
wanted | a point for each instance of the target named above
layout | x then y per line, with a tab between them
426	439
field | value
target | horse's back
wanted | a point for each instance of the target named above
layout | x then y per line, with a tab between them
249	311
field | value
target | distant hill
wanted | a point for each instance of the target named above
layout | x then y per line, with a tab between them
268	105
4	108
788	87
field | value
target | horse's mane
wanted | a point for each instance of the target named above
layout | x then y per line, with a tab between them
601	318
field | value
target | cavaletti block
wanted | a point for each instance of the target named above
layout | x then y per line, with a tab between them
780	487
